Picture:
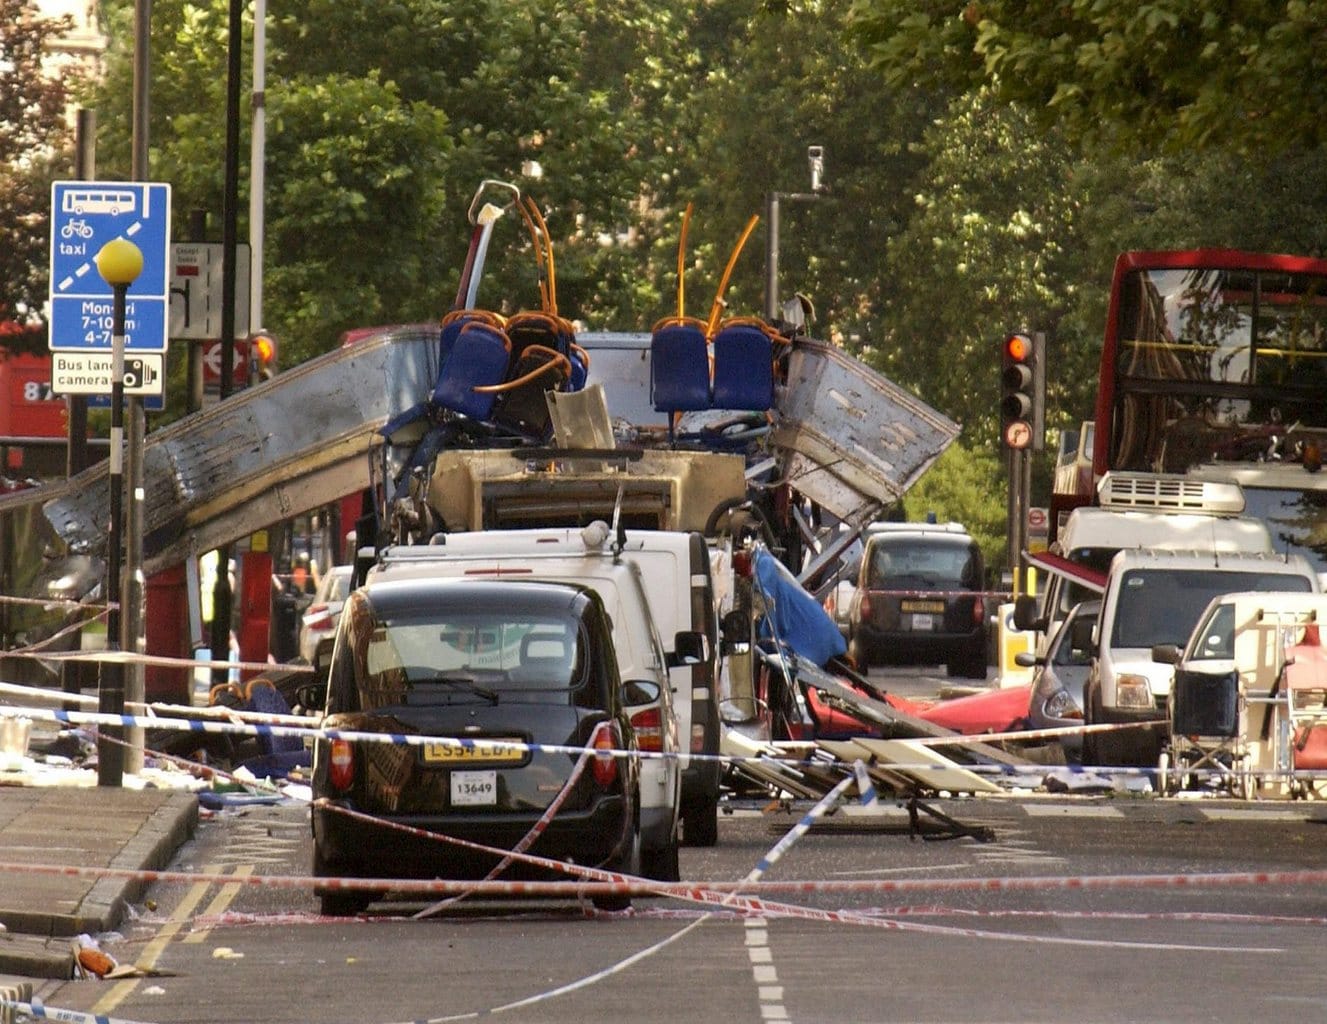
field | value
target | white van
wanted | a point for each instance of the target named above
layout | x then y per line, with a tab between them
1156	598
676	572
586	556
1152	511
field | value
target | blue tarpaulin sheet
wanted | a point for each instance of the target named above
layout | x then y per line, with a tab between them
793	616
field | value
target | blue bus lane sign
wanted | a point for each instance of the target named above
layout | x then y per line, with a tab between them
85	215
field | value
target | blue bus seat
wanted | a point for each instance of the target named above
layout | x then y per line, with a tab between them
478	359
457	319
679	366
743	366
521	405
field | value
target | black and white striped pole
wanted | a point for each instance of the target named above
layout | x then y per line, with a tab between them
119	262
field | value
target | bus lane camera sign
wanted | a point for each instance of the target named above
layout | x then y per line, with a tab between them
89	373
85	215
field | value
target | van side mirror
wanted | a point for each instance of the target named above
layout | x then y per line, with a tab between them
735	633
1025	614
322	654
689	648
638	692
735	627
1166	654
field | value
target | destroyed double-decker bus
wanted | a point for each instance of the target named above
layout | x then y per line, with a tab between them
1213	369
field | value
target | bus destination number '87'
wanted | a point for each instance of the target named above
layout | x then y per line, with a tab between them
38	391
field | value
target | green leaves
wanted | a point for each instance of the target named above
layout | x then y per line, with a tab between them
33	144
1167	73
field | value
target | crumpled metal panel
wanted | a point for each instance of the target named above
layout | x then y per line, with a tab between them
848	439
852	439
293	443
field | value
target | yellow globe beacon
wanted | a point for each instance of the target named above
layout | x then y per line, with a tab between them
119	262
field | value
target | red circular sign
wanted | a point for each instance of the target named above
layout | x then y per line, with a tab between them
1018	434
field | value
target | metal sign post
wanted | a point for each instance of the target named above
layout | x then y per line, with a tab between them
119	262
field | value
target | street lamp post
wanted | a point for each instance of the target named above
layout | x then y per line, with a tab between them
815	156
119	262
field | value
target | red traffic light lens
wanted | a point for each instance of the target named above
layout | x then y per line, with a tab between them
1018	347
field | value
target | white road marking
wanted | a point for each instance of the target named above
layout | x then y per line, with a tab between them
763	971
1038	810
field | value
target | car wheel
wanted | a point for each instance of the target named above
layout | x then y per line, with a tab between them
700	825
1091	755
859	654
343	904
627	862
1128	749
1110	751
662	864
337	902
974	665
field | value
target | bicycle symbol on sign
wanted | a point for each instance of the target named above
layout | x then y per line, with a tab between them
81	228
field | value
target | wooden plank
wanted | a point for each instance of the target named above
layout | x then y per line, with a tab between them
771	772
936	772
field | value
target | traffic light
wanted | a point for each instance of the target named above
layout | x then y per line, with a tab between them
1018	402
262	356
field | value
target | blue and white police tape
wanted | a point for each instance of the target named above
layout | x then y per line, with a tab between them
239	723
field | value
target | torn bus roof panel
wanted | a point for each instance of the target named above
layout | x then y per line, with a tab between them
1050	562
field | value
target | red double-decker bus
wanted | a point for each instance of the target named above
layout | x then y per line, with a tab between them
33	428
1214	367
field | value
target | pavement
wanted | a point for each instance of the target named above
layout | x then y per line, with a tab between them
83	826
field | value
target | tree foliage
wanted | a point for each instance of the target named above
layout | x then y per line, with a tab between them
984	253
1163	73
33	138
957	488
986	162
790	79
383	119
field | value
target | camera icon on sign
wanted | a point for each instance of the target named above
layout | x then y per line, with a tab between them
138	374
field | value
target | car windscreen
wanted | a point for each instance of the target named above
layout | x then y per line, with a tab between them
1161	606
1073	643
1215	638
452	657
921	564
340	588
1097	559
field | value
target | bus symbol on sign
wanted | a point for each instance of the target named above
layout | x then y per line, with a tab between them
114	201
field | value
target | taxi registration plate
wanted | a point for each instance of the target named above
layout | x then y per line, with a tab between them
474	789
922	606
474	752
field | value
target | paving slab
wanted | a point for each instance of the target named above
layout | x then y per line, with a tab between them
121	828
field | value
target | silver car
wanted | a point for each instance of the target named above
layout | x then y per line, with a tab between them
1057	687
320	618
